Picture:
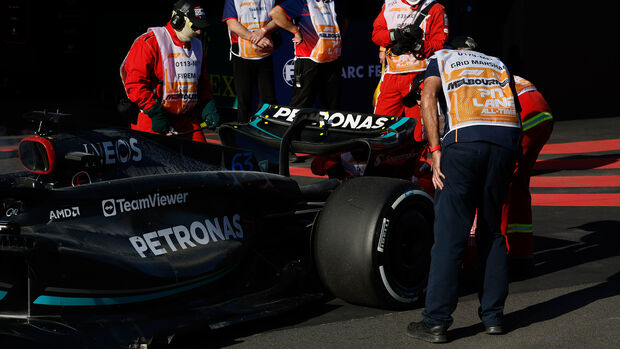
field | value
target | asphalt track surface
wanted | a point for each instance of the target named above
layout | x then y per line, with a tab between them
571	301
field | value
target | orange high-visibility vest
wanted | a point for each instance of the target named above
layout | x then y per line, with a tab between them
253	15
476	89
399	15
329	45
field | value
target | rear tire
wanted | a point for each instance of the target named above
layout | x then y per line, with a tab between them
372	242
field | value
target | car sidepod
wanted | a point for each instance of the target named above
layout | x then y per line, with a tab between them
132	241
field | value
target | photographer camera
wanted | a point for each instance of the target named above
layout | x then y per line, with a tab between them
407	40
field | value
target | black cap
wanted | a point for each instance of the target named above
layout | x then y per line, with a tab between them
462	41
193	11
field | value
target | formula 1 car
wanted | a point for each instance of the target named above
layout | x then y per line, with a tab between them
117	238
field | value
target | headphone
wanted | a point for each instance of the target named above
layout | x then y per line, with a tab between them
177	21
181	8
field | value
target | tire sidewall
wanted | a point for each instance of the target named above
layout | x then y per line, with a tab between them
388	288
354	234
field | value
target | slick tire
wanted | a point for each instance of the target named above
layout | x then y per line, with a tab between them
372	242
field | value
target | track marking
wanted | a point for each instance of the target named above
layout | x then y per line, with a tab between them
581	147
575	200
575	181
608	162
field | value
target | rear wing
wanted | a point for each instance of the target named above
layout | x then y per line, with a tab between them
328	132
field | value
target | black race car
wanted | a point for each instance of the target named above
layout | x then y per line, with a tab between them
114	238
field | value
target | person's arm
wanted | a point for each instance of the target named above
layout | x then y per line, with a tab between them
139	65
382	57
270	27
237	28
141	81
436	30
242	32
282	20
380	31
264	31
430	115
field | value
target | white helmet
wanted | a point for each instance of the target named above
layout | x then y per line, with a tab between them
413	2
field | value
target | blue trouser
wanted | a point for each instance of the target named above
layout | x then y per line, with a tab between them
477	176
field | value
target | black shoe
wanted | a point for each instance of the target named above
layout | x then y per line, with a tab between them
433	334
497	329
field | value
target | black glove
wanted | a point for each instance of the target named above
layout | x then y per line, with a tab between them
407	35
400	49
407	40
418	50
160	120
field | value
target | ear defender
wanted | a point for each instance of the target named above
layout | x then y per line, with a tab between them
177	21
